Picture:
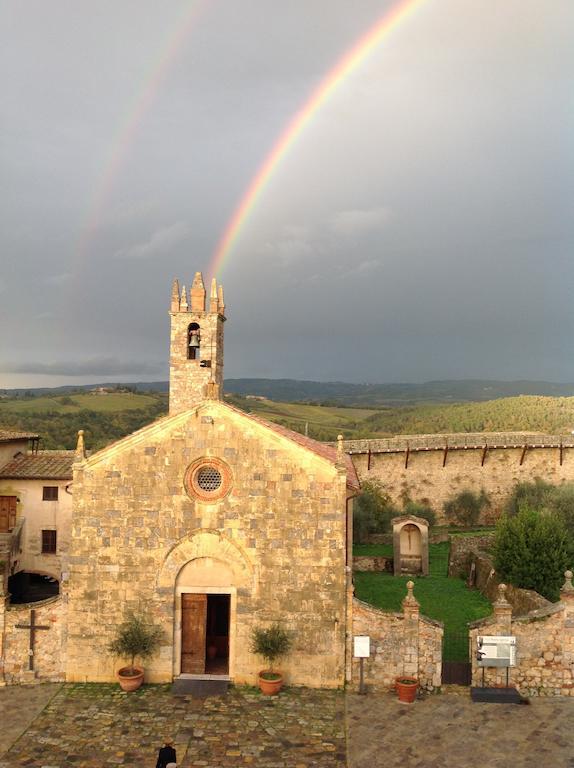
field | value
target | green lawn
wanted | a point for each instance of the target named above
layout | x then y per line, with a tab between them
440	597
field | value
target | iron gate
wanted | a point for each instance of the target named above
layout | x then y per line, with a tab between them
456	664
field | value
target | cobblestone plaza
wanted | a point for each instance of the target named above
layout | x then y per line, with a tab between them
96	726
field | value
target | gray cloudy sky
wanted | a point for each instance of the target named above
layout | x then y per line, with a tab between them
421	226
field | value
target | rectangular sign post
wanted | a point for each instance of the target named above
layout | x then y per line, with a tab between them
361	651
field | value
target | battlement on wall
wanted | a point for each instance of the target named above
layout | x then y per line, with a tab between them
433	469
458	441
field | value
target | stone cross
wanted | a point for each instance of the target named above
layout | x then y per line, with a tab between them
32	626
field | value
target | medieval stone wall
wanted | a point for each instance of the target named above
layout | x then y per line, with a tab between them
426	480
49	655
275	542
401	644
544	647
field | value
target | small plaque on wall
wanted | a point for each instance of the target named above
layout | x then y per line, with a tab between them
362	647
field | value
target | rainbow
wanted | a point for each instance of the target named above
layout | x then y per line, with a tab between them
131	122
345	67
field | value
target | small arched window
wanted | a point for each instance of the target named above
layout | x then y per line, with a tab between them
193	341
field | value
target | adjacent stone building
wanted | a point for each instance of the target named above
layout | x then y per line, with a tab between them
211	522
35	505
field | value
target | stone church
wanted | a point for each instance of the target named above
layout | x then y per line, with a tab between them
211	522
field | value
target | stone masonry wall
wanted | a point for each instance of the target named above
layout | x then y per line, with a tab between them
49	655
426	480
462	548
401	644
544	646
372	563
276	541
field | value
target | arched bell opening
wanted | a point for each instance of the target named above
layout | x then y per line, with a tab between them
193	341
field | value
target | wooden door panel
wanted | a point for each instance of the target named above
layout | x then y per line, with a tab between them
193	632
7	512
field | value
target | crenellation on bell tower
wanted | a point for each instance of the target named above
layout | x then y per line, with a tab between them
196	346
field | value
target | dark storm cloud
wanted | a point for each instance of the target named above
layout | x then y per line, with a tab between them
97	366
419	228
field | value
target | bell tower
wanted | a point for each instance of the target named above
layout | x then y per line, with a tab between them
196	348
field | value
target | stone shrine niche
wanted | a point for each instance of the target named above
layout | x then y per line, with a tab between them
410	545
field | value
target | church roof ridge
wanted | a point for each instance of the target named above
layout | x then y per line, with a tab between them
322	450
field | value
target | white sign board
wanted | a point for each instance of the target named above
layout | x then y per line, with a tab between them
496	651
362	647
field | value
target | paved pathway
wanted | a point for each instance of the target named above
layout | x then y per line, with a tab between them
450	731
19	706
98	726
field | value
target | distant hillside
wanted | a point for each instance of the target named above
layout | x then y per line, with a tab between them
363	395
513	414
108	417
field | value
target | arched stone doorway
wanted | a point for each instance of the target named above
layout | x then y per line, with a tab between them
204	574
410	545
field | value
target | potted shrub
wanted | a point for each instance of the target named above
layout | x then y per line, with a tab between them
134	638
406	688
270	643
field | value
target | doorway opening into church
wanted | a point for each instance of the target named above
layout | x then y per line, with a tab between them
205	634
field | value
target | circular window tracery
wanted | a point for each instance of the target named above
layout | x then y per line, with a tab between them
208	479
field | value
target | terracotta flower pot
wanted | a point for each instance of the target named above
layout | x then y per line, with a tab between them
270	683
128	680
406	688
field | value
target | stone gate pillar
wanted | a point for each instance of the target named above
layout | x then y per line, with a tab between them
411	612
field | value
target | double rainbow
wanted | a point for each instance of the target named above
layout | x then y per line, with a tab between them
345	67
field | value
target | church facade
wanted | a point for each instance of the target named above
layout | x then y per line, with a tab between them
211	522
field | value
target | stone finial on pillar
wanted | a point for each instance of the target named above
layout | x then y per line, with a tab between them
503	609
197	293
80	447
213	297
175	296
183	305
567	589
410	603
220	299
340	451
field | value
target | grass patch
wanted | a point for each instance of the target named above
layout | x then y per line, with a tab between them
442	598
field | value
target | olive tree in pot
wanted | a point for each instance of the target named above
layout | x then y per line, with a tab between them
271	643
135	637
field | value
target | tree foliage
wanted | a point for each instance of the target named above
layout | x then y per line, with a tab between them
528	494
419	509
532	551
136	637
465	507
270	642
372	511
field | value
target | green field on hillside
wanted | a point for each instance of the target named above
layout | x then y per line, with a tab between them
108	417
108	403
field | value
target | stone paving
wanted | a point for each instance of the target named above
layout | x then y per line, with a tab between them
19	707
96	726
451	731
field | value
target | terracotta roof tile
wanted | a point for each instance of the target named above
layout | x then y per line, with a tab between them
7	435
44	465
324	450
